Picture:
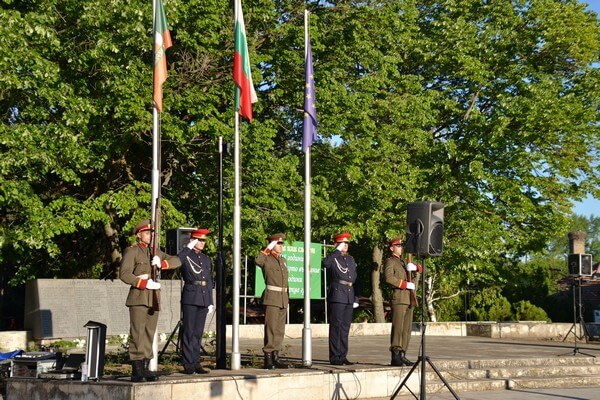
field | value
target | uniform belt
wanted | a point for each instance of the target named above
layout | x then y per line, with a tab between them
343	282
197	283
276	288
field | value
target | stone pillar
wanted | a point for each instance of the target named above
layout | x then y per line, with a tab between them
577	242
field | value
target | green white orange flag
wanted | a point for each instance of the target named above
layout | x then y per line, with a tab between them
244	88
162	41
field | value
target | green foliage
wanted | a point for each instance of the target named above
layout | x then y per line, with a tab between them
490	108
525	311
489	305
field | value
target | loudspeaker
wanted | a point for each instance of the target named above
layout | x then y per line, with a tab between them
580	264
177	238
425	228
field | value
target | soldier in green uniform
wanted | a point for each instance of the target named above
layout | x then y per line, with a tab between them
275	298
399	275
136	271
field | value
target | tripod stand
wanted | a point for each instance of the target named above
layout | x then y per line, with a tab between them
577	318
423	358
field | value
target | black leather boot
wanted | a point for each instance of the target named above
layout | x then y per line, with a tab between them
396	360
269	361
276	362
137	370
149	375
405	360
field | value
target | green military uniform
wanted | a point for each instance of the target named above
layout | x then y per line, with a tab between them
402	311
275	299
143	318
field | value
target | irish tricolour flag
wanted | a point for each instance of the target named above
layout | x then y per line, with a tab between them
244	88
162	41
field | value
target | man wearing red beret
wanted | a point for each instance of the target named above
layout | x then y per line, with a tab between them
275	298
399	275
196	299
136	269
341	298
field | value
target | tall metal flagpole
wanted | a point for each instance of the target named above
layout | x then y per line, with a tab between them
153	364
306	331
237	226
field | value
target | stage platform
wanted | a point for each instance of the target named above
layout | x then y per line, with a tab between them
469	364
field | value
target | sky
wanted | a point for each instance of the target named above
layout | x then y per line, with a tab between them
590	205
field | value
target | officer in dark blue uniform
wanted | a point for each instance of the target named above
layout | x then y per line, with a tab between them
341	298
196	299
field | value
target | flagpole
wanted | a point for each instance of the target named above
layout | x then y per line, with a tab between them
306	332
235	323
153	364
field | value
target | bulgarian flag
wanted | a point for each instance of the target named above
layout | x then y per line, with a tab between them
244	88
162	41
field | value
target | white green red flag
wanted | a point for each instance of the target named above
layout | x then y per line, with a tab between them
162	41
244	88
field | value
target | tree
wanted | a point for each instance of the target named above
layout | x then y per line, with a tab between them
485	107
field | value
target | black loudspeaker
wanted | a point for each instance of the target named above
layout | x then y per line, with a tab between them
177	238
425	228
580	264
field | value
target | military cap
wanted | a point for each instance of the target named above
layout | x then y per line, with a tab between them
396	240
342	238
144	225
200	233
277	237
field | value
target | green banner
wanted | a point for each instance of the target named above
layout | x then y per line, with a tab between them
294	255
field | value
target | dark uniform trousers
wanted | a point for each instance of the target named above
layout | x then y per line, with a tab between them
275	301
341	273
194	318
196	270
339	328
402	312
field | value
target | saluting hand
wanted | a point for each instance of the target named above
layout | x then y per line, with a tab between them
192	244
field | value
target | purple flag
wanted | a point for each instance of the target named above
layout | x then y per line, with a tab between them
309	131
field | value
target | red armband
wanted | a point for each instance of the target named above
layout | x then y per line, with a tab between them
142	284
403	285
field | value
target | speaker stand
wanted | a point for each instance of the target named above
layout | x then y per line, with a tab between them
577	319
423	359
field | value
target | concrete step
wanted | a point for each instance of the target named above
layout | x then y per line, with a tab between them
514	374
555	382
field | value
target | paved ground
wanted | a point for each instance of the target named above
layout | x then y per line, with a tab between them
373	350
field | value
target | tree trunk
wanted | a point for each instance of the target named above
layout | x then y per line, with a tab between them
115	249
377	297
429	299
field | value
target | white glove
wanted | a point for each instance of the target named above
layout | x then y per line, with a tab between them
156	261
354	305
410	267
144	276
340	246
211	308
192	244
410	286
152	285
271	245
